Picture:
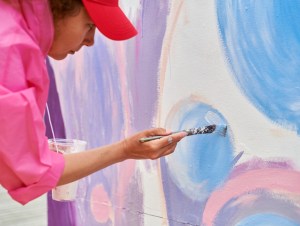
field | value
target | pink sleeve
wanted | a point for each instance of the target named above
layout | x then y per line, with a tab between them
31	168
28	168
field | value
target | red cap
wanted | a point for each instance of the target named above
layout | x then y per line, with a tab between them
110	19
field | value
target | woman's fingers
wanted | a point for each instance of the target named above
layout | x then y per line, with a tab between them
165	145
172	138
156	132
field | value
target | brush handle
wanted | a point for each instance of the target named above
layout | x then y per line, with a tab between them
194	131
146	139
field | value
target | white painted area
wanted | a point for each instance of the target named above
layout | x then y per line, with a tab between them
14	214
153	194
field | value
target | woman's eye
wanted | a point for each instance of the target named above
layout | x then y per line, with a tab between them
91	26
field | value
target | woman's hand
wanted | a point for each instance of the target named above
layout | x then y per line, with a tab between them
134	149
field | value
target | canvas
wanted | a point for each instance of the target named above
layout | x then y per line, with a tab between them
193	63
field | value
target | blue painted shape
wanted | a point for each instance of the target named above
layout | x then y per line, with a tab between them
262	43
267	219
200	162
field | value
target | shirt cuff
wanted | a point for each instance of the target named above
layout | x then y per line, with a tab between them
25	194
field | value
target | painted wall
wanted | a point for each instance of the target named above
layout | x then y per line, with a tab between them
194	62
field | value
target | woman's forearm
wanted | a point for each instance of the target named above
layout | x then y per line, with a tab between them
82	164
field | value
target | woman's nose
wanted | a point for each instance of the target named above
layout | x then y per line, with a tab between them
89	38
88	41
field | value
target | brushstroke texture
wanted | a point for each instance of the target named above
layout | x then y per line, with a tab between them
262	42
144	64
261	189
200	164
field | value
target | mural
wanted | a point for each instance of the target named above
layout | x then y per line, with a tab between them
194	62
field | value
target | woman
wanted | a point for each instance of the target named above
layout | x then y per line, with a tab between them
30	30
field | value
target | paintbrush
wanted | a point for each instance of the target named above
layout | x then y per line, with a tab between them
220	129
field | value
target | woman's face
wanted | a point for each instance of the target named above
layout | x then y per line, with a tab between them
71	33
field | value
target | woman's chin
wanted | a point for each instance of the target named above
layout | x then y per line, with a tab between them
57	56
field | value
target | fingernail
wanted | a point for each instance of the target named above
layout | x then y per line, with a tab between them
168	131
184	134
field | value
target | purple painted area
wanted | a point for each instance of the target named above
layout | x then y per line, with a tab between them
54	108
257	163
59	213
181	209
143	72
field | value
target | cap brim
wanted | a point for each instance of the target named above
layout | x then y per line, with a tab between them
110	21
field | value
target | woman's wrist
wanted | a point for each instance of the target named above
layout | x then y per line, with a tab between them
121	150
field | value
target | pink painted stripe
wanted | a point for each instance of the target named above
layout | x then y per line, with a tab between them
271	179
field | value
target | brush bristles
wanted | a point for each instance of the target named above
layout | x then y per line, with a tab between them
222	130
201	130
219	129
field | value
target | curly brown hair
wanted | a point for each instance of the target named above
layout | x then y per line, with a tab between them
63	8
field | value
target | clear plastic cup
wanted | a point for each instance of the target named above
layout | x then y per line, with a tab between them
67	192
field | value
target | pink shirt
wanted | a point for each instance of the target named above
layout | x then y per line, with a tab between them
28	168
